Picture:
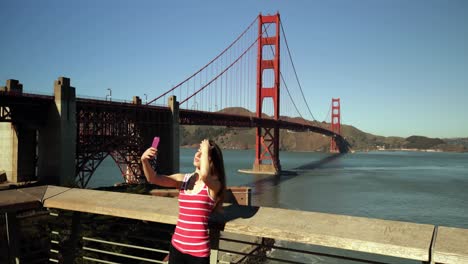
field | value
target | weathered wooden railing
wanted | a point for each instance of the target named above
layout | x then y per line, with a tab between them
378	240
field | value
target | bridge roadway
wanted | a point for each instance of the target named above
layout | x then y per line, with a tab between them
34	110
64	135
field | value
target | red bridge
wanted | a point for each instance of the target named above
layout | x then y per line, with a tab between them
64	135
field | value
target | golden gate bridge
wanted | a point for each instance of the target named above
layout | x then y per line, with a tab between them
249	74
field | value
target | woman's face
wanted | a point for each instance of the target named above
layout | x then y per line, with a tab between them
196	159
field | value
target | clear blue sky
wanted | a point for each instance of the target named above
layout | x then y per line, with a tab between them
400	67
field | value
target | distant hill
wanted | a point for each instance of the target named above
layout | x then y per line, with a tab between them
244	138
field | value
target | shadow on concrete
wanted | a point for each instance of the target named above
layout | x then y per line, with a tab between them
231	212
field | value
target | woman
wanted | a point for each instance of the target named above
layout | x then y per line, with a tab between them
200	193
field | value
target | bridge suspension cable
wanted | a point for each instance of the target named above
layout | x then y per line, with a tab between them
295	72
282	79
228	81
208	64
328	116
217	76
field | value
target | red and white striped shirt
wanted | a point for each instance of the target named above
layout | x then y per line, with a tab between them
191	233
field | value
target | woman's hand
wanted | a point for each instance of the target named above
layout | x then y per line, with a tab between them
149	154
205	146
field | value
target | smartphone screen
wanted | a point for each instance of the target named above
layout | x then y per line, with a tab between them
155	142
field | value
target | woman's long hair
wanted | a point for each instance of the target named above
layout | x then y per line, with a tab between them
217	168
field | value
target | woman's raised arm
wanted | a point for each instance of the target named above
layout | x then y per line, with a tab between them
210	180
171	181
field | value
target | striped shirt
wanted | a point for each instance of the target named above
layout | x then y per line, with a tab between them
191	232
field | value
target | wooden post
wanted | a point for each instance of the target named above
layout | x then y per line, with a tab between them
70	248
11	225
214	241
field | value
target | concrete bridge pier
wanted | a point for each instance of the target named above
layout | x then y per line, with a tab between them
17	144
57	139
174	135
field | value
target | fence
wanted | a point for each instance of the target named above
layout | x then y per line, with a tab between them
90	226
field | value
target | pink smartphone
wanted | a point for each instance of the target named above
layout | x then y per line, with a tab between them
155	142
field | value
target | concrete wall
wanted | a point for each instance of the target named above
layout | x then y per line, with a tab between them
8	143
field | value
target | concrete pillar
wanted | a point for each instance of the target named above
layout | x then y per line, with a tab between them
17	144
174	151
57	140
9	151
12	86
136	100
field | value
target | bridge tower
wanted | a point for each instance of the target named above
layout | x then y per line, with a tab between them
335	124
267	138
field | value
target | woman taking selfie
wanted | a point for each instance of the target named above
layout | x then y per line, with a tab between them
200	193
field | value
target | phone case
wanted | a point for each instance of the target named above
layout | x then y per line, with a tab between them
155	142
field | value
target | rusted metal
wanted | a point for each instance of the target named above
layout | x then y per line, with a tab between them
115	129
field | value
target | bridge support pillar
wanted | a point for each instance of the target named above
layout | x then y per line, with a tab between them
17	157
174	152
57	139
267	138
335	124
17	144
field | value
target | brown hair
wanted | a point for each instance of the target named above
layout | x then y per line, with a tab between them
217	168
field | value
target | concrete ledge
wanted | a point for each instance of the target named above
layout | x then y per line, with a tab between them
390	238
451	245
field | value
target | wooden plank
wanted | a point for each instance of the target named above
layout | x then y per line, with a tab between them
451	245
13	200
54	191
234	194
391	238
238	195
37	192
134	206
